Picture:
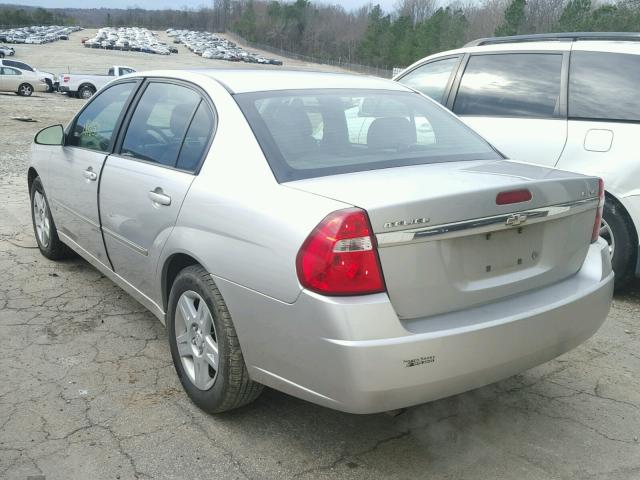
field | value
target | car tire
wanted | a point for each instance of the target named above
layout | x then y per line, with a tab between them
25	90
619	232
86	92
44	228
49	85
1	55
199	325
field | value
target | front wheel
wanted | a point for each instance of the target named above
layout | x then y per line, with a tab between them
25	90
204	344
43	226
617	230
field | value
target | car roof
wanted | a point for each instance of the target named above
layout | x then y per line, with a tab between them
246	80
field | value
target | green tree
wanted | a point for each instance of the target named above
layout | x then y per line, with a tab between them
514	17
575	16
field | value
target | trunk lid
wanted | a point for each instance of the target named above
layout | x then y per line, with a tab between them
445	245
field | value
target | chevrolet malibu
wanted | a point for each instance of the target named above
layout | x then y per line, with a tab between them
339	238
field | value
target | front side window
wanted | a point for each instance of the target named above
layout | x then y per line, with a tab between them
10	71
159	123
432	78
95	127
326	132
604	86
511	85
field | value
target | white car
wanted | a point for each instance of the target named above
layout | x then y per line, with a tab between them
570	101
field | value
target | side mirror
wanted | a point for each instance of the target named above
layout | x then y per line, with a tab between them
53	135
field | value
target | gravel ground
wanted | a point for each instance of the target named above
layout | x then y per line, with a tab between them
88	390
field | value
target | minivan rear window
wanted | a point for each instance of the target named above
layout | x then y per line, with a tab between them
313	133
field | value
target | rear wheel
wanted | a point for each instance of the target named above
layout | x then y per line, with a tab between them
43	226
204	344
86	92
25	90
1	55
617	230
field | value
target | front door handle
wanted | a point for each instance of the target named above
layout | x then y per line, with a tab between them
159	197
90	175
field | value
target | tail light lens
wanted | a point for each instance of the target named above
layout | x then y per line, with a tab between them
339	257
65	79
596	225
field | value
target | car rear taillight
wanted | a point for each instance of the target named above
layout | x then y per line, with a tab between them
597	223
339	257
65	78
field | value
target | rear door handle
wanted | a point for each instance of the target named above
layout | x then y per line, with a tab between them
159	197
89	174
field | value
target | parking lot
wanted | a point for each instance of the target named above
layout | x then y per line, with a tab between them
88	389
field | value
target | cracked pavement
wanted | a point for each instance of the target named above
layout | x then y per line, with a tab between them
88	390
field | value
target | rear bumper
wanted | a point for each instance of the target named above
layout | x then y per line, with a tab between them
355	355
63	88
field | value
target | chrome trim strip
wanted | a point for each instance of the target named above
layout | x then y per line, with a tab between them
127	243
485	224
76	214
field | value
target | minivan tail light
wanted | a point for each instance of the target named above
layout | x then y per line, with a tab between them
598	221
339	257
513	196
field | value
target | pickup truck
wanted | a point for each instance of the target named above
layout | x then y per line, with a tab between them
84	85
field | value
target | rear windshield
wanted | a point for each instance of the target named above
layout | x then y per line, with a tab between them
313	133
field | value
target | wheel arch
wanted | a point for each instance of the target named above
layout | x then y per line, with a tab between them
170	270
32	174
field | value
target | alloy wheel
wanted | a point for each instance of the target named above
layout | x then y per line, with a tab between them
196	340
607	234
26	90
41	219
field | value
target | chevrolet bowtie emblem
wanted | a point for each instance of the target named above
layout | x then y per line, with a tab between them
515	220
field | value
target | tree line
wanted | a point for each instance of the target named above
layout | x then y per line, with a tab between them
368	35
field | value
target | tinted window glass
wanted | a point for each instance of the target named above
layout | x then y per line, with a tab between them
159	123
515	85
94	128
431	79
604	86
326	132
10	71
197	139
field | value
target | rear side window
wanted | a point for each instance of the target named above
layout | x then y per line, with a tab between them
312	133
159	123
604	86
511	85
432	78
94	127
197	139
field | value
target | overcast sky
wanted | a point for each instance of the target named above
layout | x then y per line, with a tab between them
348	4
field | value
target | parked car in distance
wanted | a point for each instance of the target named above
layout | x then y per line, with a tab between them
568	100
48	77
361	271
84	85
22	82
6	51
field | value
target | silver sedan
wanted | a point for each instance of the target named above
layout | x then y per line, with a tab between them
340	238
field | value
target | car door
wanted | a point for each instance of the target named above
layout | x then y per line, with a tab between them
517	101
74	173
432	78
143	185
10	79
